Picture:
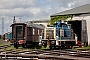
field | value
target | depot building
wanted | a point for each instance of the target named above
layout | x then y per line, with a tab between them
80	21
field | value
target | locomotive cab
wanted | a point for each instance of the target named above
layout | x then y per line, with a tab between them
49	37
18	34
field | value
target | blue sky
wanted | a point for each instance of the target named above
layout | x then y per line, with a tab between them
33	9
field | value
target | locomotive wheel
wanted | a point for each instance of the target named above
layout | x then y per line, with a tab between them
70	47
56	47
27	46
86	44
62	47
50	47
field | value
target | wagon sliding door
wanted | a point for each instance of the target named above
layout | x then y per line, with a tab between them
19	33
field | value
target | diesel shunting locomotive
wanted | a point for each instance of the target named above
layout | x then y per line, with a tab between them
60	35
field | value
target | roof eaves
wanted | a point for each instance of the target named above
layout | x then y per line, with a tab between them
69	14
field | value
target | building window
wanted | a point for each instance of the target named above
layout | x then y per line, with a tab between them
42	33
38	32
33	31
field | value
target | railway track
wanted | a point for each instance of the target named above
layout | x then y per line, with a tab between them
43	54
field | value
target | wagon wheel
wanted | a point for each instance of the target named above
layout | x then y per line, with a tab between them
16	45
23	45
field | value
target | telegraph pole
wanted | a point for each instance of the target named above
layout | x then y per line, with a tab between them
20	19
14	20
2	26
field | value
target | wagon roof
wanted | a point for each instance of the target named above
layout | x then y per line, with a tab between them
17	24
36	25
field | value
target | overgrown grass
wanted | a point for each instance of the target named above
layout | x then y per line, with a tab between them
10	48
83	48
39	48
43	48
1	49
21	48
0	38
2	44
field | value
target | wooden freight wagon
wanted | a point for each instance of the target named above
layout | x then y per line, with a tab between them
26	34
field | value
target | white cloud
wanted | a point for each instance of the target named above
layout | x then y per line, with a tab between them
19	12
71	4
34	9
9	4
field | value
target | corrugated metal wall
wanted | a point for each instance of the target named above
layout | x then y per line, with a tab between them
84	31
